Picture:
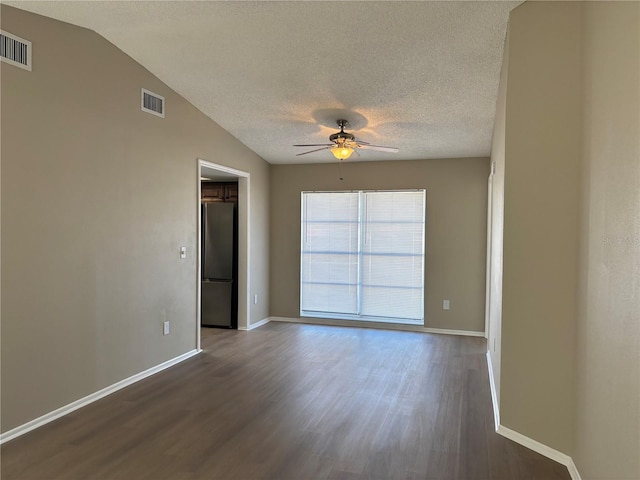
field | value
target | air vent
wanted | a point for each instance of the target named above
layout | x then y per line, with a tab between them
152	103
15	50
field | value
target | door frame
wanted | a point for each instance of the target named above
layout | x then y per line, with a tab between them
244	211
488	273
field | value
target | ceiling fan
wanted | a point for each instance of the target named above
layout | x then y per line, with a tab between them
344	144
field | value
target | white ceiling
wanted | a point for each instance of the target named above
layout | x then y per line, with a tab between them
419	76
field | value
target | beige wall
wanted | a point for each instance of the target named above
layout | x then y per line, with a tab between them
607	436
570	363
455	229
97	198
541	205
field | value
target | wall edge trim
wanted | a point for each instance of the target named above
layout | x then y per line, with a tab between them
93	397
253	326
542	449
494	393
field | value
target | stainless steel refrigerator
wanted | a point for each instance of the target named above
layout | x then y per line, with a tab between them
219	265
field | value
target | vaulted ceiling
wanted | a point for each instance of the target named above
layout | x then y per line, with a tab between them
419	76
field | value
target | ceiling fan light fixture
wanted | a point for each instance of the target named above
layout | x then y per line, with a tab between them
341	152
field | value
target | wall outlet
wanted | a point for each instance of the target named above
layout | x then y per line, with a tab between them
255	299
445	304
165	328
183	252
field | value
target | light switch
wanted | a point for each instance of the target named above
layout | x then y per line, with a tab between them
183	252
445	304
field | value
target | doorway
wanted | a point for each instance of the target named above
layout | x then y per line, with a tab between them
222	173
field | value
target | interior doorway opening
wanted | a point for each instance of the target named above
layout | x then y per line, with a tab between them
220	173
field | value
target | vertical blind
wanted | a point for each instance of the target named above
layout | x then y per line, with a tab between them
363	255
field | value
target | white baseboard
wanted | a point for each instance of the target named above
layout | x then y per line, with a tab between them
542	449
573	470
494	393
253	326
62	411
446	331
523	440
287	320
380	325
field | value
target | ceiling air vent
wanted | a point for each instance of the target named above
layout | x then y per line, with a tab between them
15	50
152	103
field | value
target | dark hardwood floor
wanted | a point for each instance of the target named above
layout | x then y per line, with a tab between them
289	401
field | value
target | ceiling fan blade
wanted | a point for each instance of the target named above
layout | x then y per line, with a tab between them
316	150
377	148
316	145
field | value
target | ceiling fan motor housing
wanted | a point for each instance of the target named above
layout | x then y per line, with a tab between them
342	137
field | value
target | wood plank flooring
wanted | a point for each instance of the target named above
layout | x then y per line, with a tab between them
290	401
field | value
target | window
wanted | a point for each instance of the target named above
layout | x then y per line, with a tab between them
362	255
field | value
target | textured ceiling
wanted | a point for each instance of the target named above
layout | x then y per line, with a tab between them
419	76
